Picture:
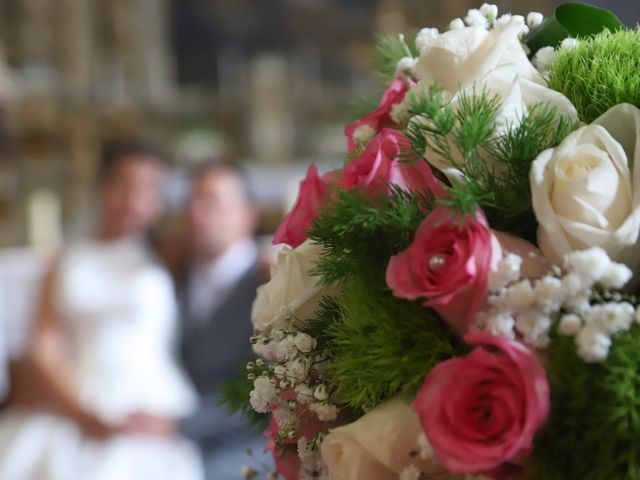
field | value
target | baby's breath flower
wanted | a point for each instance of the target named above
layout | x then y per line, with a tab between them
543	58
305	343
570	324
520	296
490	11
456	24
320	392
475	18
406	66
502	21
534	19
400	112
285	418
286	349
548	293
616	276
304	448
285	313
569	43
579	303
363	134
593	344
592	263
304	393
572	284
263	395
298	368
611	317
326	412
501	325
534	327
507	271
410	473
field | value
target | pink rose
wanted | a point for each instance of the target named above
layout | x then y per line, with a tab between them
312	194
387	160
447	264
380	117
480	411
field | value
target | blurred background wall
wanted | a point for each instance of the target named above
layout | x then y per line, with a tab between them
266	82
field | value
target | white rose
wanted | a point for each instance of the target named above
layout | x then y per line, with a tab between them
474	60
291	288
459	58
518	93
377	445
586	191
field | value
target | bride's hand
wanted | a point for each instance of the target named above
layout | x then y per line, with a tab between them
150	425
95	428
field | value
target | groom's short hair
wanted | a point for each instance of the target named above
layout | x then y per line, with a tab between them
223	165
116	151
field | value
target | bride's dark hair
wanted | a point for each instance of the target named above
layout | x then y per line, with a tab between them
115	151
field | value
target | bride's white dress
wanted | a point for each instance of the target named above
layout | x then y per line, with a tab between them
119	309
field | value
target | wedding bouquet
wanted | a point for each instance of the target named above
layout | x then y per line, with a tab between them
458	300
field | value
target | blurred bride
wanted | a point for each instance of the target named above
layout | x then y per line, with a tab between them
98	392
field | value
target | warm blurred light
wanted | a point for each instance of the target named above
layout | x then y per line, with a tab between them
45	220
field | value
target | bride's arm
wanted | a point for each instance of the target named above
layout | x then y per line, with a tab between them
47	370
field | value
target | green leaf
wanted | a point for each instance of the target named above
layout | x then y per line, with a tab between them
577	20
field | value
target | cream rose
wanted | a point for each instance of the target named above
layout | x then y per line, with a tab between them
473	60
586	191
378	445
291	288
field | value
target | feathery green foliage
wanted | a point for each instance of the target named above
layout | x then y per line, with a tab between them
328	313
495	165
599	73
234	395
359	233
388	51
379	345
593	431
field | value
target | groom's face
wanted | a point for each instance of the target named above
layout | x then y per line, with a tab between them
219	212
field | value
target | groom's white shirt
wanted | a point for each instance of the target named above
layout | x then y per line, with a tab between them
210	284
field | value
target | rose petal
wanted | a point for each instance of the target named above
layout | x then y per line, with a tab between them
480	411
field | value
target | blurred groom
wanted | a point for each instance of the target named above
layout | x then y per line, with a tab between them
217	288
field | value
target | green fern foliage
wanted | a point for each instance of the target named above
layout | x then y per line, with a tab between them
380	346
494	164
377	345
388	51
360	233
593	431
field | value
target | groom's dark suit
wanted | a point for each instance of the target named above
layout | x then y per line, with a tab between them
211	352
